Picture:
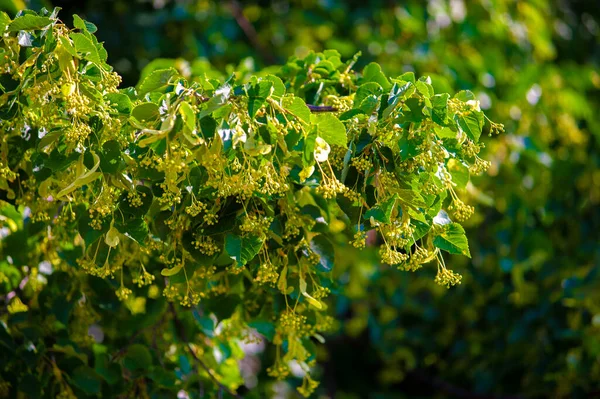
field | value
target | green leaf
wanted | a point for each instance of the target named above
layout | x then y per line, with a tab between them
439	112
222	306
146	112
411	198
68	47
399	91
188	116
346	164
407	77
308	156
28	22
121	102
218	100
373	73
264	327
85	46
207	324
459	173
109	371
453	240
87	380
366	90
242	249
89	234
424	88
136	229
471	124
465	95
157	81
145	195
297	107
83	25
4	22
408	148
383	212
156	64
257	96
330	129
278	86
110	157
138	357
164	378
369	104
323	247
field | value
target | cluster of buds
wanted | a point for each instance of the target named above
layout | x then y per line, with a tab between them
460	210
447	277
391	256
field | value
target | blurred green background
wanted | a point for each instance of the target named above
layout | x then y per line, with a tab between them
526	320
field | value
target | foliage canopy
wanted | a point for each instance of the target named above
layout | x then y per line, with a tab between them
186	215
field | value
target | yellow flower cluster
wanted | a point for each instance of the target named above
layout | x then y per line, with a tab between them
256	224
460	210
267	274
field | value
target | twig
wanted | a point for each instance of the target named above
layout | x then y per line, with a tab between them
181	332
250	32
321	108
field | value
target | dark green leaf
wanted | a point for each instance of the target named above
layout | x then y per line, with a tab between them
257	96
323	247
110	157
439	112
138	357
382	213
242	249
264	327
145	195
136	229
87	380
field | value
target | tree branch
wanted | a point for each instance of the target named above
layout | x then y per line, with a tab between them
321	108
250	32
